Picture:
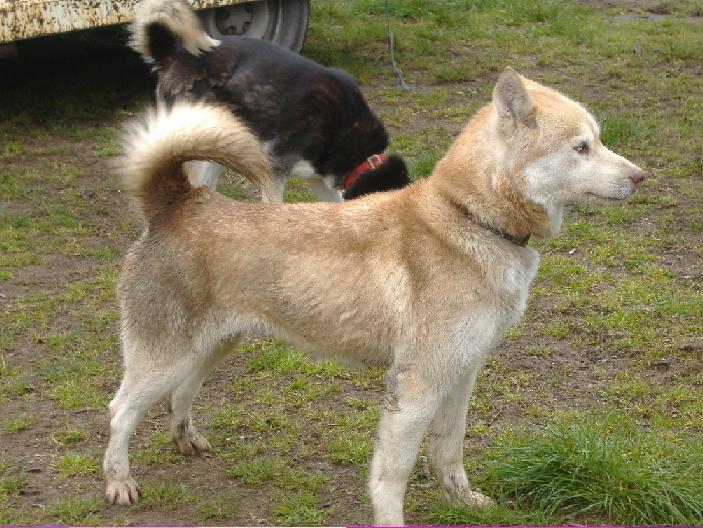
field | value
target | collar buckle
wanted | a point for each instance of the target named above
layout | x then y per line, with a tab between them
371	163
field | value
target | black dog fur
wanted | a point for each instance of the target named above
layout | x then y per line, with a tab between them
299	109
393	174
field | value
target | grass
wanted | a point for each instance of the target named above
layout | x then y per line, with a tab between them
605	468
18	424
613	326
299	509
74	464
159	451
499	515
11	485
70	437
77	511
217	509
167	494
75	394
258	470
274	357
350	447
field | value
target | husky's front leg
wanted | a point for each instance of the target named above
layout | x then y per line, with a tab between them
446	445
410	403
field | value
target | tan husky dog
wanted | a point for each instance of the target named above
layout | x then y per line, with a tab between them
425	279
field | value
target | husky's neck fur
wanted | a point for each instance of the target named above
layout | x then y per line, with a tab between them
478	175
519	241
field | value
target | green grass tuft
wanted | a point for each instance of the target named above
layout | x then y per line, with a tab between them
159	451
77	511
610	467
164	495
498	515
11	485
350	447
275	357
65	438
17	424
299	509
258	470
425	163
218	509
76	464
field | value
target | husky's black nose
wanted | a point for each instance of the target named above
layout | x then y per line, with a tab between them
638	177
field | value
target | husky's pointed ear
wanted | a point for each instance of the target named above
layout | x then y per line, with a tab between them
513	104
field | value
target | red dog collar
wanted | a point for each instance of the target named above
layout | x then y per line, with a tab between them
373	162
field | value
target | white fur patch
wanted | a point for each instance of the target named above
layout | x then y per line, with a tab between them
178	17
188	131
565	176
303	169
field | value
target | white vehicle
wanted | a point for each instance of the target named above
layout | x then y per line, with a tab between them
283	22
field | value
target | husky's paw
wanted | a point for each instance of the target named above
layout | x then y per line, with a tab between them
122	492
190	442
467	497
475	499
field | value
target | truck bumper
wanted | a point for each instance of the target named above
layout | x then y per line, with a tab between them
23	19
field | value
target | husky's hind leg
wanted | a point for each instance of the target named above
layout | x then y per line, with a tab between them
183	433
140	389
151	373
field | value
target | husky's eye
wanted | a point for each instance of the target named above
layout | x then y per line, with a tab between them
582	148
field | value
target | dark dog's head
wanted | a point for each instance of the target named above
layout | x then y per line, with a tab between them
392	174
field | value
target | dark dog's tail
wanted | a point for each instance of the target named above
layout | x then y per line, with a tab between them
392	174
160	26
156	148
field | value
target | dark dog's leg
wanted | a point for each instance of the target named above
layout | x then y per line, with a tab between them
278	191
323	192
204	173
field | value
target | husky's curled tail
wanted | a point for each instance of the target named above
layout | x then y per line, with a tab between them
156	148
161	27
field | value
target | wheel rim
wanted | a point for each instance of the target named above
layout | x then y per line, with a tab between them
283	22
253	19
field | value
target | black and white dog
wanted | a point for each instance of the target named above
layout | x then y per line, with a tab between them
312	120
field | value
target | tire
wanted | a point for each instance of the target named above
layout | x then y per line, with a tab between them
283	22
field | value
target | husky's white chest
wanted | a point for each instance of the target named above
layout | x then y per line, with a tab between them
503	305
511	284
518	276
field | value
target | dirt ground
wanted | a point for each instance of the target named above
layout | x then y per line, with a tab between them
66	226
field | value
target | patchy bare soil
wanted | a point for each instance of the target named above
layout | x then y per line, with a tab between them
612	327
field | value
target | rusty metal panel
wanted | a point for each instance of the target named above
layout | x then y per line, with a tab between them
23	19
